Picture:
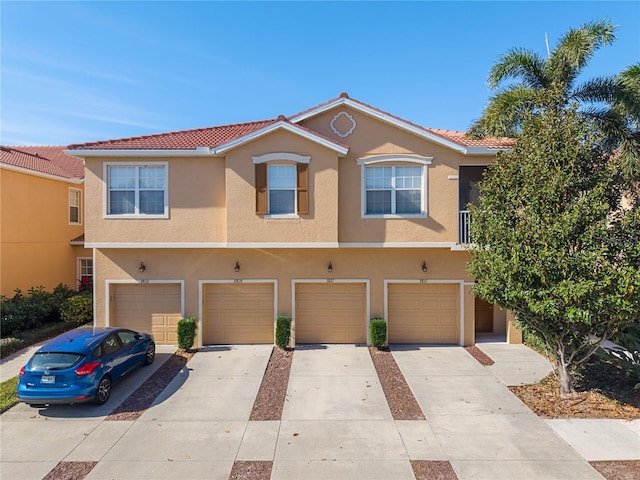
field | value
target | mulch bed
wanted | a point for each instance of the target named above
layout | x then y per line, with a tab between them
479	355
545	400
254	470
402	403
136	403
433	470
70	471
603	391
618	470
271	396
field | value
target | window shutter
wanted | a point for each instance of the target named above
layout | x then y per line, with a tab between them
261	189
303	188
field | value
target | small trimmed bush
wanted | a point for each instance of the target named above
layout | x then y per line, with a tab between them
186	333
283	331
78	309
378	332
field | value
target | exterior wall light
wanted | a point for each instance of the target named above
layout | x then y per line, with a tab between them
142	267
424	267
237	269
330	267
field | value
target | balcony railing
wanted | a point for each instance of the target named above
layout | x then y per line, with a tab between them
464	226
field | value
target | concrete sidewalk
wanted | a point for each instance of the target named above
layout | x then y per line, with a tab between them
11	365
336	423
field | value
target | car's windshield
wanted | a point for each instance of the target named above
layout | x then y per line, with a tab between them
55	360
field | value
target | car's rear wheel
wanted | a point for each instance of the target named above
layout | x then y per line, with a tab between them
103	392
150	356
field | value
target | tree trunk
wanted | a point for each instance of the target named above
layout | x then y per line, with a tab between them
566	379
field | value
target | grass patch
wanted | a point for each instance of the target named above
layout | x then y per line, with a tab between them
8	394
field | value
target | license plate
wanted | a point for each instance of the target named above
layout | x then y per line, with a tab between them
48	379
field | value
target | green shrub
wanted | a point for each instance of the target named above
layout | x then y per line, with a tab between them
378	332
186	333
77	309
10	345
283	331
38	307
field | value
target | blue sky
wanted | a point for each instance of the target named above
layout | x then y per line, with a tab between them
81	71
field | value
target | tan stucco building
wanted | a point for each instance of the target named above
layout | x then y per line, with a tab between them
332	216
42	220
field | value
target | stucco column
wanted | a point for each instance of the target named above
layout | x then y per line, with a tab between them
469	312
514	334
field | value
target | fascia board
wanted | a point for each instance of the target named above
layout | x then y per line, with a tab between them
475	151
224	148
124	152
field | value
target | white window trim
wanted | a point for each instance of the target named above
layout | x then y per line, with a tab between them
80	209
405	159
139	216
281	157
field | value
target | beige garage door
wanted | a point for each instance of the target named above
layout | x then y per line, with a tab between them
151	308
238	313
330	313
423	313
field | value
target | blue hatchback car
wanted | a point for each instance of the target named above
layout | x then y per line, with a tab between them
81	365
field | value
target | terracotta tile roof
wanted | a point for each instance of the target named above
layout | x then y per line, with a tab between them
78	240
462	139
180	140
218	135
43	159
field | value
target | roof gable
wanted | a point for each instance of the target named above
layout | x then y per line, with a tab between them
449	138
47	160
283	124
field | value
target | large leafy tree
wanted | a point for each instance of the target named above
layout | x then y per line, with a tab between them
526	82
551	241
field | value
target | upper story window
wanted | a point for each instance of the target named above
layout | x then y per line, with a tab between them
75	201
282	184
137	190
394	186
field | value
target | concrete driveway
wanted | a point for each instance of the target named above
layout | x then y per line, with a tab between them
336	423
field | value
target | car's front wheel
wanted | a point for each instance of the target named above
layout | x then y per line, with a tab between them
104	391
150	356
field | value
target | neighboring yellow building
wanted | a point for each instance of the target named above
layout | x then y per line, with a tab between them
332	216
41	220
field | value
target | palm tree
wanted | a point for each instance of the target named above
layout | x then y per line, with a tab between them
610	103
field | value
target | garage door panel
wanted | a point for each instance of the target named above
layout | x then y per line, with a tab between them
423	313
330	313
239	313
154	308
